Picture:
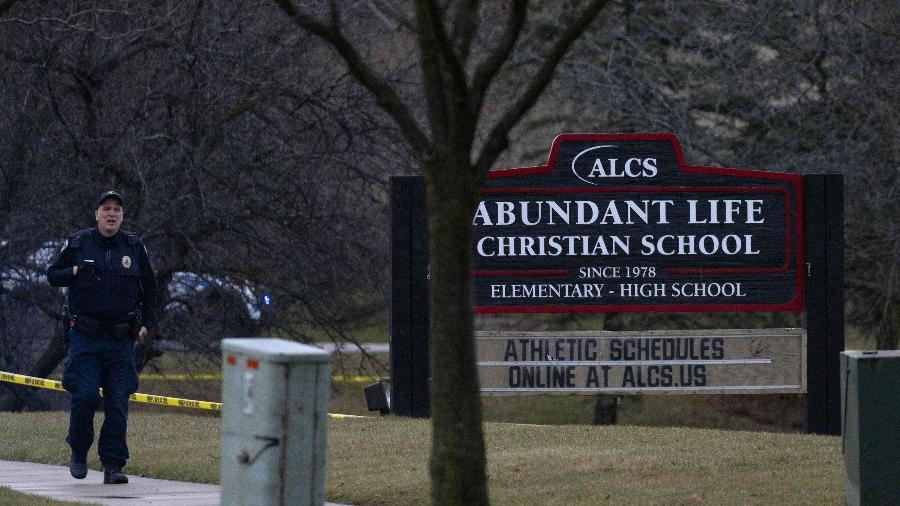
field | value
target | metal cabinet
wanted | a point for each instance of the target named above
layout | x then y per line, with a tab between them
275	397
870	415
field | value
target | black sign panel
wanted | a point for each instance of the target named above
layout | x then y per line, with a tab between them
619	223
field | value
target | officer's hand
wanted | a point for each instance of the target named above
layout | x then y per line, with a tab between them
86	267
142	334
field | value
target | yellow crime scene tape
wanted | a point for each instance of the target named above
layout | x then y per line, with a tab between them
158	400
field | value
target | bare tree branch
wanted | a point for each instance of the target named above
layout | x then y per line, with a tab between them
498	139
384	95
388	16
430	18
5	6
487	70
436	94
465	26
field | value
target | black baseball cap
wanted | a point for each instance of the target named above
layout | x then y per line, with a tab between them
111	194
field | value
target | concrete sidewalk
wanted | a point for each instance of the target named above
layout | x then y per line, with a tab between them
55	482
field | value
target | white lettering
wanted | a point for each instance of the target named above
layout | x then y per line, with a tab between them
582	204
482	213
505	215
481	250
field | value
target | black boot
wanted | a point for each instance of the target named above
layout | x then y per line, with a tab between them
78	468
114	476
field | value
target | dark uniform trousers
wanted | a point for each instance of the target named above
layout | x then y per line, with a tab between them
95	362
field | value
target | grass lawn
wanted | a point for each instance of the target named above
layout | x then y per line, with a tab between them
384	461
12	498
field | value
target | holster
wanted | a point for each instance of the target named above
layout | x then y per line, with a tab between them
134	322
68	321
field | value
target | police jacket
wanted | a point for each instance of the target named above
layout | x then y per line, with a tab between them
114	277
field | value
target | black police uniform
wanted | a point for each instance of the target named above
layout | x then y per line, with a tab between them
115	278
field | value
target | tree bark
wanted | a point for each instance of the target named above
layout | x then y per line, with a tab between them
457	458
606	409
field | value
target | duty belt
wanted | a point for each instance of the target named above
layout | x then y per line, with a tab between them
99	328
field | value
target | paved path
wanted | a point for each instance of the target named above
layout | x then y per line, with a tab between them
56	483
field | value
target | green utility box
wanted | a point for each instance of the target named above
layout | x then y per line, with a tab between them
275	397
870	414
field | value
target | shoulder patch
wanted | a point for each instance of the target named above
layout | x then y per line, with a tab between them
75	241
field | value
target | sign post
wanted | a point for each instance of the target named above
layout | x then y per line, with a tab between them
824	300
409	298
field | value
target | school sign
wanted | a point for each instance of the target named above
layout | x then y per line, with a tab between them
735	361
620	223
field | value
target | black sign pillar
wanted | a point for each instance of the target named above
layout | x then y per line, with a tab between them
824	244
409	297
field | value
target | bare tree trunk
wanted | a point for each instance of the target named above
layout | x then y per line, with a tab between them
457	459
606	410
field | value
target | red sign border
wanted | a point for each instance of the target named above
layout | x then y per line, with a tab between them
796	180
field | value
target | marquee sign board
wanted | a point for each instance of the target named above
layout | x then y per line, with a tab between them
708	361
620	223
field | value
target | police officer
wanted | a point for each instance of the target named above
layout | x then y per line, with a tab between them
112	295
